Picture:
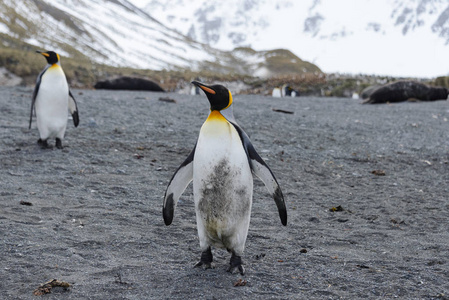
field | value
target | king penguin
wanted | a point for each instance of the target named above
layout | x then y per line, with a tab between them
51	101
221	167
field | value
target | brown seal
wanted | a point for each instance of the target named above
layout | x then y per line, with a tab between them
128	83
404	90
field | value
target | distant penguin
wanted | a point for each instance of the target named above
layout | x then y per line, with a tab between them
51	101
284	91
221	166
276	93
194	90
288	91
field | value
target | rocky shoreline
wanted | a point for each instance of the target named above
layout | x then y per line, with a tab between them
366	190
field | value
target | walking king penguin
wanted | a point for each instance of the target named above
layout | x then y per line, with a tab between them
51	100
220	166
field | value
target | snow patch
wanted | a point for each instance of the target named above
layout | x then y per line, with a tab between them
382	37
4	29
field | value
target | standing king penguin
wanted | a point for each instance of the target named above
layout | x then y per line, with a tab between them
221	166
51	101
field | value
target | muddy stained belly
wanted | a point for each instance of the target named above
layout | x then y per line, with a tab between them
223	198
222	183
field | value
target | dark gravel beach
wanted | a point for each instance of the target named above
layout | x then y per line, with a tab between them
366	188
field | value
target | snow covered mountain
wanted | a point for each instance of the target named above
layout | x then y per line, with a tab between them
117	33
384	37
111	32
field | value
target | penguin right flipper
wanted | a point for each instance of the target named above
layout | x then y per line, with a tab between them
261	170
73	109
178	183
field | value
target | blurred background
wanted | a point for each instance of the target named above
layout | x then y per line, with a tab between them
322	47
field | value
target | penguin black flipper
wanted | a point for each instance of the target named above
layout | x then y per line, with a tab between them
178	183
73	109
261	170
35	92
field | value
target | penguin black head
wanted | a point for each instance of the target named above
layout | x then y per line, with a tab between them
219	97
52	57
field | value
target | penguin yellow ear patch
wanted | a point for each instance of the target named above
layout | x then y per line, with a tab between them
207	90
230	100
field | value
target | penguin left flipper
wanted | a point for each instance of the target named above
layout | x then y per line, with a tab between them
35	92
32	106
261	170
73	109
178	183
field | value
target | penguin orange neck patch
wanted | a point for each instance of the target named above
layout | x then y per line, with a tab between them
215	115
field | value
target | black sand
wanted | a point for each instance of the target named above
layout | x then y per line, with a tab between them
96	221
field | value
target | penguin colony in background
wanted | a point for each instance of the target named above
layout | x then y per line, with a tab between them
284	91
51	101
221	167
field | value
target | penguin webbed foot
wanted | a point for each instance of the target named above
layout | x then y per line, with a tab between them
58	143
236	264
43	144
206	260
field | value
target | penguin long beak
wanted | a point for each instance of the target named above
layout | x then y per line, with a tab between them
43	53
205	88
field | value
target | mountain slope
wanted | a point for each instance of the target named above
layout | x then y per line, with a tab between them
111	32
393	37
117	33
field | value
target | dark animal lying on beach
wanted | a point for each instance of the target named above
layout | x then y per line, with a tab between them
129	83
404	90
368	91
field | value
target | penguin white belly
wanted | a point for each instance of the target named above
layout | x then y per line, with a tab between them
222	185
52	104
